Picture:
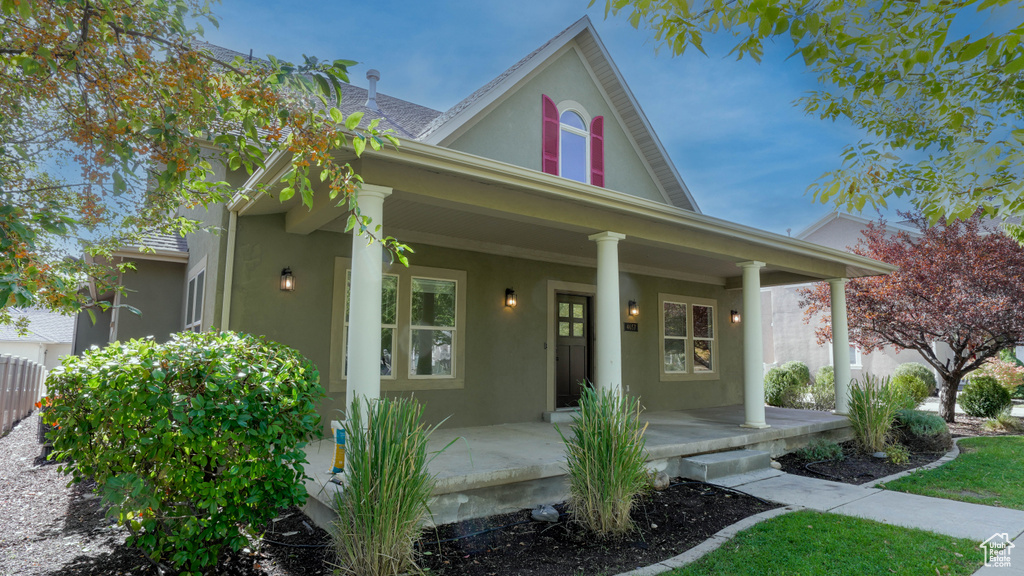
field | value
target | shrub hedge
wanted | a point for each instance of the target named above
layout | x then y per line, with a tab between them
919	370
780	388
984	397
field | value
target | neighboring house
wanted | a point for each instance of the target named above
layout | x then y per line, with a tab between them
554	240
788	336
47	339
155	287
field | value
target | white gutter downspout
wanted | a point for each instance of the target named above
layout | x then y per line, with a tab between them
229	270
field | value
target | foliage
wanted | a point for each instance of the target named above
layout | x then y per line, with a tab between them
980	474
606	461
124	101
807	542
801	373
1004	422
821	449
921	423
826	374
823	393
912	389
919	370
873	407
954	284
940	110
1008	374
1010	355
387	488
190	441
897	453
984	397
780	388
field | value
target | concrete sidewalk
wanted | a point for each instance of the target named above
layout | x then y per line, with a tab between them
931	404
960	519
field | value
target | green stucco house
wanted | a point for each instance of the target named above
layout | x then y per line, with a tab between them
555	243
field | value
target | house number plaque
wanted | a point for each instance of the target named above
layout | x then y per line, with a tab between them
631	327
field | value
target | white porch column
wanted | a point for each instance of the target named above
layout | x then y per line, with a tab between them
753	350
840	344
364	307
608	366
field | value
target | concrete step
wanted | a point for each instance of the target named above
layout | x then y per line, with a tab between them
707	467
561	416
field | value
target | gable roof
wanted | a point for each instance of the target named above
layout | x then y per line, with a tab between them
836	215
44	326
442	129
158	246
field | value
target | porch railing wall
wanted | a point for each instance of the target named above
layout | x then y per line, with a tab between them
20	384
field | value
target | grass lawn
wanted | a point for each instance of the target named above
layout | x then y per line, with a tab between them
988	471
811	543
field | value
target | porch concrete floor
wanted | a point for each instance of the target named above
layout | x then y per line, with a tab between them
532	454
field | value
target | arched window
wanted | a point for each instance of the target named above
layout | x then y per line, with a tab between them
572	153
571	148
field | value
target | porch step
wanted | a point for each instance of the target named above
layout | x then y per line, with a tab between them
708	467
560	416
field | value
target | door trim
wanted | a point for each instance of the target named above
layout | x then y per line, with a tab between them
555	286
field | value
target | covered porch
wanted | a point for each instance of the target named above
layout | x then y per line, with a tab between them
496	469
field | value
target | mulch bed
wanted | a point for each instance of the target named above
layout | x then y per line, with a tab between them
52	529
971	426
855	467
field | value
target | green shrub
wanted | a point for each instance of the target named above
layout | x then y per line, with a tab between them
825	374
823	395
801	373
897	453
1004	422
1018	393
919	370
780	388
912	389
1010	355
606	461
873	407
821	449
190	441
921	431
984	397
384	499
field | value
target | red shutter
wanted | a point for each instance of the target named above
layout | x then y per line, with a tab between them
550	128
597	151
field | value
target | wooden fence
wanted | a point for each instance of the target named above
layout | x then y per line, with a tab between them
20	382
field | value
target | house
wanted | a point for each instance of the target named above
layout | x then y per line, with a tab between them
555	243
788	335
47	337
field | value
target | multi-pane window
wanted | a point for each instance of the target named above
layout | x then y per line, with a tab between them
571	320
388	319
194	304
432	327
689	341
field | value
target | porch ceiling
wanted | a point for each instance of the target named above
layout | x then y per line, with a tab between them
448	198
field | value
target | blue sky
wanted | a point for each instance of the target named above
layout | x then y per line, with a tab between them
744	149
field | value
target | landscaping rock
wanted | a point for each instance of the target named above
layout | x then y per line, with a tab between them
660	481
775	464
545	513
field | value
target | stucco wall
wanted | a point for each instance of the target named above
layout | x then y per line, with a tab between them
156	289
506	373
511	131
89	333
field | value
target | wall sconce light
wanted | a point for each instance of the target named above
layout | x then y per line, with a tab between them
734	317
510	298
287	280
633	309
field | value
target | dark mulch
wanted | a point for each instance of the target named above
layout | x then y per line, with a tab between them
856	467
971	426
51	529
668	523
54	530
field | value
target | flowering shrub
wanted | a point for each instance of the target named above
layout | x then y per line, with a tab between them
1008	374
190	441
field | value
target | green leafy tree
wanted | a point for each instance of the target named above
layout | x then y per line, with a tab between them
112	116
941	110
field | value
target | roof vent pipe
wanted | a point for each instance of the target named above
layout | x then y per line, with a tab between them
371	95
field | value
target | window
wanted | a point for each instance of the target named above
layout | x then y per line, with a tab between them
422	323
432	327
689	338
194	304
855	359
388	320
570	147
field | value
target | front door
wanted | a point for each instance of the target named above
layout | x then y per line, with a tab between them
572	348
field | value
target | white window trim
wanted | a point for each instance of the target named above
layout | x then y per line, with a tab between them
399	380
716	352
191	324
573	106
454	330
856	361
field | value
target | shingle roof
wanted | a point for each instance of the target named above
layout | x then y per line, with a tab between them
162	242
44	326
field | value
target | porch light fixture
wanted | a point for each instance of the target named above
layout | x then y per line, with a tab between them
633	309
734	317
287	280
510	298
